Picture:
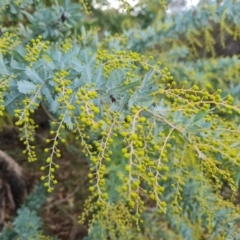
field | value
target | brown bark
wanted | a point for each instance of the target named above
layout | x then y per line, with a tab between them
12	186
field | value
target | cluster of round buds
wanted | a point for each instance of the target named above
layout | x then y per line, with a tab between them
66	45
89	207
8	42
66	94
33	52
191	101
99	151
17	2
51	166
86	6
61	86
130	61
50	178
27	128
141	144
1	105
88	109
3	88
86	118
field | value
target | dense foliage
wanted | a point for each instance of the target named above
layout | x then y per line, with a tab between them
27	224
151	106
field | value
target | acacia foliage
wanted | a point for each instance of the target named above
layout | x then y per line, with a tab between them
160	147
27	224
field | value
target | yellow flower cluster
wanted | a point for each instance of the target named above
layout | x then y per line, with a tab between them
34	51
27	128
8	42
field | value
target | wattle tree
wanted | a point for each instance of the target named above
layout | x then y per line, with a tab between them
150	97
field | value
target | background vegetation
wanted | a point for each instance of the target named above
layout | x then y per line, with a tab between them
132	116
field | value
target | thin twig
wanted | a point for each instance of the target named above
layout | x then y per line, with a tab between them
48	114
62	200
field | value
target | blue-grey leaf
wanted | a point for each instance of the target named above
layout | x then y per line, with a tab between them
26	87
70	54
54	106
33	75
3	69
11	98
45	91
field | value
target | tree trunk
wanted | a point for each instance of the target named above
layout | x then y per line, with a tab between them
12	186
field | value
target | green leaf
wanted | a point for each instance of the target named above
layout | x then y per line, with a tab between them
16	66
3	69
67	119
98	77
85	56
70	54
148	78
28	15
11	98
56	56
54	106
46	92
87	73
19	53
200	115
33	75
27	224
26	87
